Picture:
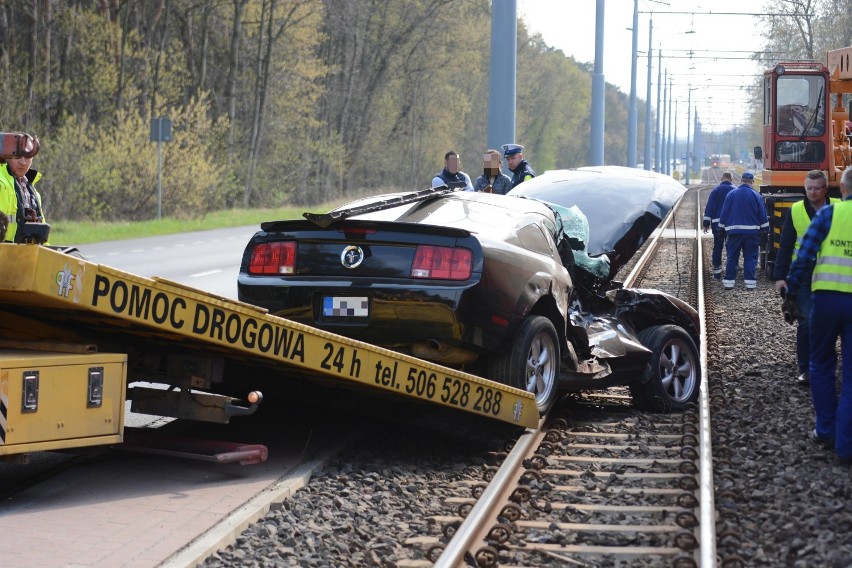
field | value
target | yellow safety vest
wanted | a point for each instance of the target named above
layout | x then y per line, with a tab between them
801	221
9	201
833	270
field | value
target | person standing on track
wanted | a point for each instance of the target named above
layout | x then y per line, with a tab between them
711	219
795	225
743	219
827	244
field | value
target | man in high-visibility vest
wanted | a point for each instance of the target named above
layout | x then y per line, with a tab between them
795	225
827	244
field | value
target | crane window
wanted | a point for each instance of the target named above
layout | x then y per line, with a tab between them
798	152
800	108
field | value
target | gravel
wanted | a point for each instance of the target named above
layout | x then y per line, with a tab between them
787	496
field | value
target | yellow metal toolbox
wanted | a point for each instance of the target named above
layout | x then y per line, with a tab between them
52	400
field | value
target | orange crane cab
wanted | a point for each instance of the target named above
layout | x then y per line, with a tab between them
804	128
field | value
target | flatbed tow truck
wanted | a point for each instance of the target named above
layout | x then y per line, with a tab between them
79	339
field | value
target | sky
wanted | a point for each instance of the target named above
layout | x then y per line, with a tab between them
709	80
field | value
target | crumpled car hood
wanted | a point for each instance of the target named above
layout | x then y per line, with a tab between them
623	205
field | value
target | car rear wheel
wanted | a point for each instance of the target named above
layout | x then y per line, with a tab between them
671	380
532	364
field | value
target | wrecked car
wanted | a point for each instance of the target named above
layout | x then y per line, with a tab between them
518	288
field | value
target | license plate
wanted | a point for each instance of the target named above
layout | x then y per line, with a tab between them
345	306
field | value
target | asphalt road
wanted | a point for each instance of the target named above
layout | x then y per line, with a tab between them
206	260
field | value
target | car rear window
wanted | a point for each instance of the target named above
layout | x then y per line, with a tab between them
532	238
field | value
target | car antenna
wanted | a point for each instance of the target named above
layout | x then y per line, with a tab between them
324	220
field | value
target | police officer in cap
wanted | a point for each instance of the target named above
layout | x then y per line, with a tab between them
521	170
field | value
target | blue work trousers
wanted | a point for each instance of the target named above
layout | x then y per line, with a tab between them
803	347
830	318
718	244
749	244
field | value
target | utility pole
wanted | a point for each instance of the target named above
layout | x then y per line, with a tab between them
596	144
632	119
502	76
647	147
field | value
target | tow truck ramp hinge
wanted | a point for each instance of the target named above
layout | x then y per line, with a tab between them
191	405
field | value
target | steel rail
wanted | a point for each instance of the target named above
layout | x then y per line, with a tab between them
485	509
453	555
653	245
707	511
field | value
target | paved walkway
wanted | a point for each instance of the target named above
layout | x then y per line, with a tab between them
140	510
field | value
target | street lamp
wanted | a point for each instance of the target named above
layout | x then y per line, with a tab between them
647	146
660	147
631	116
673	141
688	131
667	149
632	134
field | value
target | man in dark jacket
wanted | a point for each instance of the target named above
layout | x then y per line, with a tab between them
521	170
492	179
711	220
795	225
451	175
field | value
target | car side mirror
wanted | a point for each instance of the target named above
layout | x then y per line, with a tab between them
758	153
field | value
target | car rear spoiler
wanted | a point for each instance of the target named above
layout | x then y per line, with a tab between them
325	220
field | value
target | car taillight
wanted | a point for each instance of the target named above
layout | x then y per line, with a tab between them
443	263
273	258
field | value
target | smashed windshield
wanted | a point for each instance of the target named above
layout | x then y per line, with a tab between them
573	229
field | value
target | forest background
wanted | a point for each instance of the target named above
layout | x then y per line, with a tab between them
302	102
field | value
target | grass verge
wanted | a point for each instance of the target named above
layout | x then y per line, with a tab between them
68	233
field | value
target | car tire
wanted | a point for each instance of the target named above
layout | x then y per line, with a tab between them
672	377
532	363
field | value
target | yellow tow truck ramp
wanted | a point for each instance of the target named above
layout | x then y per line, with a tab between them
203	343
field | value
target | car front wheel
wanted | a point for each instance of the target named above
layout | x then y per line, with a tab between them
532	363
671	380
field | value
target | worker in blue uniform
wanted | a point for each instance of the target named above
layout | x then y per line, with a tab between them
795	225
743	219
711	219
827	245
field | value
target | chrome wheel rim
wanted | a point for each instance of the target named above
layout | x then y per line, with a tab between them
678	370
541	368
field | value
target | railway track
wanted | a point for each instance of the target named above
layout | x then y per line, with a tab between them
599	483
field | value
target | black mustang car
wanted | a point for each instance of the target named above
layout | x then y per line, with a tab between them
517	288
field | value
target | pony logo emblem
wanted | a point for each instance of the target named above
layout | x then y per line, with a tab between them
352	256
